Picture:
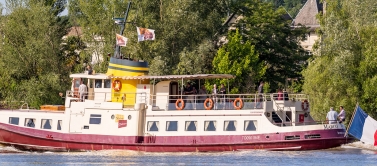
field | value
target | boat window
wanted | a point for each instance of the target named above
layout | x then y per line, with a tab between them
209	125
312	136
95	119
190	125
230	125
46	124
90	82
29	122
250	125
98	83
107	83
77	83
153	125
171	125
59	125
14	120
293	137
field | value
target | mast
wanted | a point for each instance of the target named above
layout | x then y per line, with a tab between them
122	23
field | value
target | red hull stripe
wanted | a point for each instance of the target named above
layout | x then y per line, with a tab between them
33	139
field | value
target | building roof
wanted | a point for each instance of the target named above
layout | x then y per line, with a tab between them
307	14
75	31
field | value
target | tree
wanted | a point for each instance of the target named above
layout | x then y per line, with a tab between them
275	41
239	58
31	55
344	70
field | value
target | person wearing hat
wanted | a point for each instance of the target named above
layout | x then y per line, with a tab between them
332	116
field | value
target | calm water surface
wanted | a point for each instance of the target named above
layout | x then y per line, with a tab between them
351	154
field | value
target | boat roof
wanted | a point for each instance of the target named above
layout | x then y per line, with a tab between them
166	77
176	77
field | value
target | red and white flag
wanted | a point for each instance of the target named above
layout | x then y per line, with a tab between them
121	40
145	34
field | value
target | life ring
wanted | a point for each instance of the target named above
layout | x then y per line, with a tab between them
305	105
238	100
117	85
177	104
210	101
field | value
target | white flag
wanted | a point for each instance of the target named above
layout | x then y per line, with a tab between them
145	34
121	40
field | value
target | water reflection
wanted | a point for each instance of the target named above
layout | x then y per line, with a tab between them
350	154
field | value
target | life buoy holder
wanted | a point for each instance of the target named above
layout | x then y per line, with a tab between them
180	101
305	105
235	103
210	106
117	85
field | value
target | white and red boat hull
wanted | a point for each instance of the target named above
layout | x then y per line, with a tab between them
40	140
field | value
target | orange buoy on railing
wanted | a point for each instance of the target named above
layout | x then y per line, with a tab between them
180	101
236	105
210	106
305	105
117	85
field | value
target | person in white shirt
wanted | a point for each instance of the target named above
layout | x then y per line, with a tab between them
82	91
342	115
332	116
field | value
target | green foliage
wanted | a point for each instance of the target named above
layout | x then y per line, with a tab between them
275	41
238	57
31	68
344	70
291	6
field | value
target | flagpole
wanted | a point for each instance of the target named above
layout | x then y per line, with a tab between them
353	116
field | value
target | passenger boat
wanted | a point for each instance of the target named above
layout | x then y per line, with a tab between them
125	110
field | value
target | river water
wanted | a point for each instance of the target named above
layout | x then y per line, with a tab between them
351	154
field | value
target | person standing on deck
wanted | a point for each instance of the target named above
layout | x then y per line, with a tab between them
332	115
222	97
214	95
82	91
342	115
260	95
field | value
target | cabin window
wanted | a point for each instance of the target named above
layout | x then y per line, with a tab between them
95	119
153	125
171	125
209	125
14	120
77	83
107	83
59	125
230	125
46	124
191	125
98	83
29	122
250	125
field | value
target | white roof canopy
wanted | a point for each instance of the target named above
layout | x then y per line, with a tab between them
177	77
165	77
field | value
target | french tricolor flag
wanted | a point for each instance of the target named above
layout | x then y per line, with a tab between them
363	127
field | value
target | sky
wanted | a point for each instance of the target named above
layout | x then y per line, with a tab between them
65	12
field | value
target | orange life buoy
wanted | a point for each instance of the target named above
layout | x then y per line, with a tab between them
238	100
210	101
182	104
117	85
305	105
